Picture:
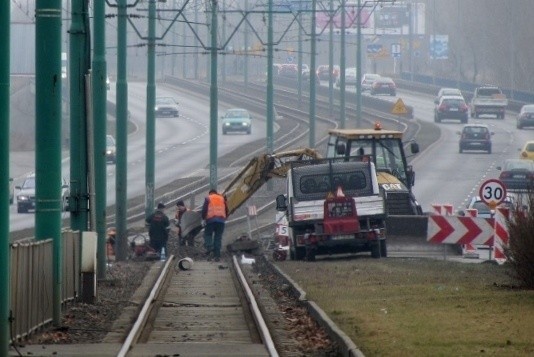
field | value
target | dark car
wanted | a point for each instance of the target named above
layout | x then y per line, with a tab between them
475	137
323	72
451	108
517	174
384	85
111	149
236	119
166	107
26	194
525	116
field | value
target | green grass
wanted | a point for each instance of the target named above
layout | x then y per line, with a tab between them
421	307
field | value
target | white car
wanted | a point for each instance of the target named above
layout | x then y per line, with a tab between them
449	92
350	77
368	80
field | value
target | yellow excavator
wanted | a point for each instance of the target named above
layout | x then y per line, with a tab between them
260	170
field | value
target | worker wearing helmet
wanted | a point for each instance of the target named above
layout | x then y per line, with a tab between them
214	213
158	228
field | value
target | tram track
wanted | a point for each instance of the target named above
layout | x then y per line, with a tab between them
186	311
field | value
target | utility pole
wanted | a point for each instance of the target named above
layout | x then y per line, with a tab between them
245	40
48	125
5	252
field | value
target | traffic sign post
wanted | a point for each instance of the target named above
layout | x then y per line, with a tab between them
492	192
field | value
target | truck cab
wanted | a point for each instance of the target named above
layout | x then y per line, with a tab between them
386	150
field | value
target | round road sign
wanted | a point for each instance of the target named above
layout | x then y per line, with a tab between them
492	192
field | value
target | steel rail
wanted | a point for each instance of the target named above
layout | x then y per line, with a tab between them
148	306
256	313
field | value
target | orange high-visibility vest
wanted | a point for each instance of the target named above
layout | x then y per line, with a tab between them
216	207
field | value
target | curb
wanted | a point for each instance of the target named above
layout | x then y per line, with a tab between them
347	347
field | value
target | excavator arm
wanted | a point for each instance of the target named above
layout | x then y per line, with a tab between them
260	170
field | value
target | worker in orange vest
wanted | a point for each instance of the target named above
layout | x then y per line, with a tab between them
214	213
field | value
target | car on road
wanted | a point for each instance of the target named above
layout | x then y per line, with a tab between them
236	119
517	174
323	72
384	85
527	152
525	116
350	77
111	149
483	210
11	190
26	194
455	92
451	107
475	137
166	107
368	80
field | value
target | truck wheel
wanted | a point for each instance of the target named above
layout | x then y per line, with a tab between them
310	253
383	249
300	253
375	250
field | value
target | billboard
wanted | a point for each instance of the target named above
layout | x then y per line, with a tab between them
376	19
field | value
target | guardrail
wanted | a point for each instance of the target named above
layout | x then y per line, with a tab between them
429	84
31	281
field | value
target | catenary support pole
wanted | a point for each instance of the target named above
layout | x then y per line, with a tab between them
79	52
122	134
150	149
48	125
359	66
313	46
342	66
213	98
100	130
5	304
270	87
331	60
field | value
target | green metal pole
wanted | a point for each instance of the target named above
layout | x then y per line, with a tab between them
299	61
150	107
213	98
270	88
100	130
313	46
245	73
223	64
342	66
331	62
184	45
5	255
196	52
122	137
359	67
79	66
48	142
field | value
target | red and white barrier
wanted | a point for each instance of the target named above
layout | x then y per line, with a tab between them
469	250
501	236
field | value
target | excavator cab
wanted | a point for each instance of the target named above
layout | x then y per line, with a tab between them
386	150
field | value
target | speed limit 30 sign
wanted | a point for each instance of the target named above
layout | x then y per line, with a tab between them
492	192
